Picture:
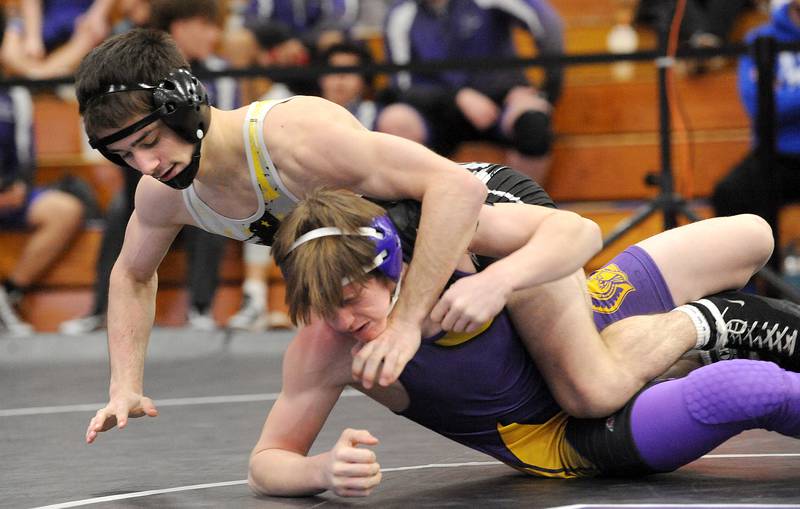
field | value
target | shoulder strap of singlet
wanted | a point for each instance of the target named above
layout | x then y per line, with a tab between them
276	202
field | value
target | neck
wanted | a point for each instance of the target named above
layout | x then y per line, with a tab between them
222	145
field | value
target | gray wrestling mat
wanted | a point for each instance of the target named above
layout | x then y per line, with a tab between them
213	395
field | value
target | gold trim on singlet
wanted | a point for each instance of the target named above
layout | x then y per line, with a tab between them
276	202
544	448
456	338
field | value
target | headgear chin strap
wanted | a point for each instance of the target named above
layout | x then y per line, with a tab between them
181	102
388	250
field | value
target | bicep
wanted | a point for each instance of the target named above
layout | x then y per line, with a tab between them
149	233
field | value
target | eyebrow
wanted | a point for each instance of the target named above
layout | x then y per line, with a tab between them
138	140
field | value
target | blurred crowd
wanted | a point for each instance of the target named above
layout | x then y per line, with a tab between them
511	108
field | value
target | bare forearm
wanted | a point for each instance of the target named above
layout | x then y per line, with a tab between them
562	244
276	472
131	311
62	62
31	11
449	218
102	7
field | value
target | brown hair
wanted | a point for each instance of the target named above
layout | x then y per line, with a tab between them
163	13
314	271
137	56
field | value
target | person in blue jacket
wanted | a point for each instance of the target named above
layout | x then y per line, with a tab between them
747	187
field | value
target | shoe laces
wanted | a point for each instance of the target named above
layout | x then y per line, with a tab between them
762	335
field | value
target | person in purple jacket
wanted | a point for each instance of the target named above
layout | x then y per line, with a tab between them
442	109
746	188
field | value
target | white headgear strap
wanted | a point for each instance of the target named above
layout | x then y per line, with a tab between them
365	231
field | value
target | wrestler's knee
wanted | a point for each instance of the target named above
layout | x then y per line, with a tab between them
592	398
58	208
761	234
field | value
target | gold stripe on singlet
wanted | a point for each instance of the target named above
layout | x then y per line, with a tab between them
262	174
456	338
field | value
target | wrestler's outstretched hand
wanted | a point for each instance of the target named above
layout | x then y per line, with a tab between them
353	471
117	412
471	302
385	357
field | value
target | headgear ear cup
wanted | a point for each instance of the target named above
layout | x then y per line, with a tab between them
392	264
187	110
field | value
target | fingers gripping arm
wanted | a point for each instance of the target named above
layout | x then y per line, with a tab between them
533	244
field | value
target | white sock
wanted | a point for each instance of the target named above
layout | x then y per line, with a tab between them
256	290
721	326
700	324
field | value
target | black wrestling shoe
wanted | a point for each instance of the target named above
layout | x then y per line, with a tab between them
747	323
720	353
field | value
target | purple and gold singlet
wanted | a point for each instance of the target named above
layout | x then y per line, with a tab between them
483	390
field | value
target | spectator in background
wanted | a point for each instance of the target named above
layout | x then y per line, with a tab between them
705	24
443	109
746	188
311	20
371	16
278	47
53	217
133	14
351	90
48	38
195	26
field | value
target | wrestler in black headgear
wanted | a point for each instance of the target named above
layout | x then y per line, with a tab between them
181	101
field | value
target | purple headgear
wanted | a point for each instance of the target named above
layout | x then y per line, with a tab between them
388	250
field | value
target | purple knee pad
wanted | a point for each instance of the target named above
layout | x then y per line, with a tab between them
734	391
678	421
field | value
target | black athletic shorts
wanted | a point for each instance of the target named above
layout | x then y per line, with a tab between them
608	442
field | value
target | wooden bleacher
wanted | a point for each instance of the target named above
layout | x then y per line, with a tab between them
607	141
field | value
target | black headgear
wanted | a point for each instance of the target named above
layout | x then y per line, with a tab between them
180	100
